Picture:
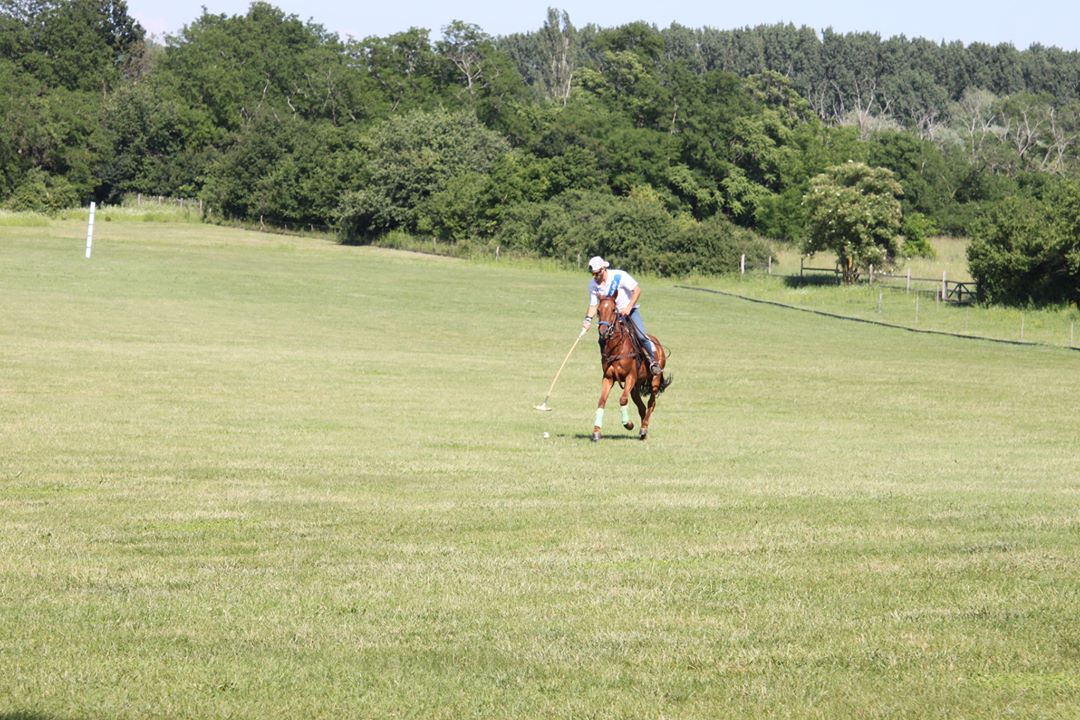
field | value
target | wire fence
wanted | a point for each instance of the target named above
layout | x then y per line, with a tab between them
924	306
140	200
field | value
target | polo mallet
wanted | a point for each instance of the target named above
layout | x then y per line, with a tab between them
543	407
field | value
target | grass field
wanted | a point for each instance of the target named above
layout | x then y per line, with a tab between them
251	476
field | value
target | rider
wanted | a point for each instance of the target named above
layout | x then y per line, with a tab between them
626	291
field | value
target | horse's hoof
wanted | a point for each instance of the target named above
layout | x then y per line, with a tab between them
643	434
596	437
629	426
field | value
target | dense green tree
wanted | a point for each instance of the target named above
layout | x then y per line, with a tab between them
406	159
243	181
282	170
73	44
1027	250
237	67
156	142
917	164
404	71
18	125
59	63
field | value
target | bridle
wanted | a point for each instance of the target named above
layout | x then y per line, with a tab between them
607	329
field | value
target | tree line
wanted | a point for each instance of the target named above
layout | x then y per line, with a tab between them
675	150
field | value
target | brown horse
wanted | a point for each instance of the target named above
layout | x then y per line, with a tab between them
624	360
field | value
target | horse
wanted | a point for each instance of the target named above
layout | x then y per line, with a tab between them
624	360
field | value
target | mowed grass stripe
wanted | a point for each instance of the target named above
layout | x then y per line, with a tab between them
246	475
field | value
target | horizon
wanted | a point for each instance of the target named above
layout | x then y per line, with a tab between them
988	23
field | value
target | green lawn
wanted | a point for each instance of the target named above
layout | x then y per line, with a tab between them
245	475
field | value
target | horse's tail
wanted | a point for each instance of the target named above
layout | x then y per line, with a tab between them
666	377
665	381
644	385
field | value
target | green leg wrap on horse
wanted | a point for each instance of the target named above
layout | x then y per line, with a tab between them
624	411
599	421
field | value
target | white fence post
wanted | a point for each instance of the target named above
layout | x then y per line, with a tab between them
742	265
90	229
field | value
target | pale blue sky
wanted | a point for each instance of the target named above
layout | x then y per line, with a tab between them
1048	22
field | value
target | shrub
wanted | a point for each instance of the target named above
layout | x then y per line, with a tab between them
44	193
917	229
635	232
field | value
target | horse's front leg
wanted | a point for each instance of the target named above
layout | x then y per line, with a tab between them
624	401
605	388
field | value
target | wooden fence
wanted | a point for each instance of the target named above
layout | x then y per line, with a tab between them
952	291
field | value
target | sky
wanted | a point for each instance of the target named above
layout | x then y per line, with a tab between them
1046	22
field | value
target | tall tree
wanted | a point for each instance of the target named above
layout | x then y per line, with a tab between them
467	48
558	55
854	211
75	44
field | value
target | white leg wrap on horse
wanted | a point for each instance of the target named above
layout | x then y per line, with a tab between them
599	421
624	412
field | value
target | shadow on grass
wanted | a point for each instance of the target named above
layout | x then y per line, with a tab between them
794	281
28	715
579	436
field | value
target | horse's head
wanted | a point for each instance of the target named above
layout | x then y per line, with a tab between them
608	315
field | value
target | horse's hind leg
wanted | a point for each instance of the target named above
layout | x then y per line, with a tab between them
647	414
636	395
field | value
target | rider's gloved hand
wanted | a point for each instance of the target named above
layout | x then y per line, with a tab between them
587	323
